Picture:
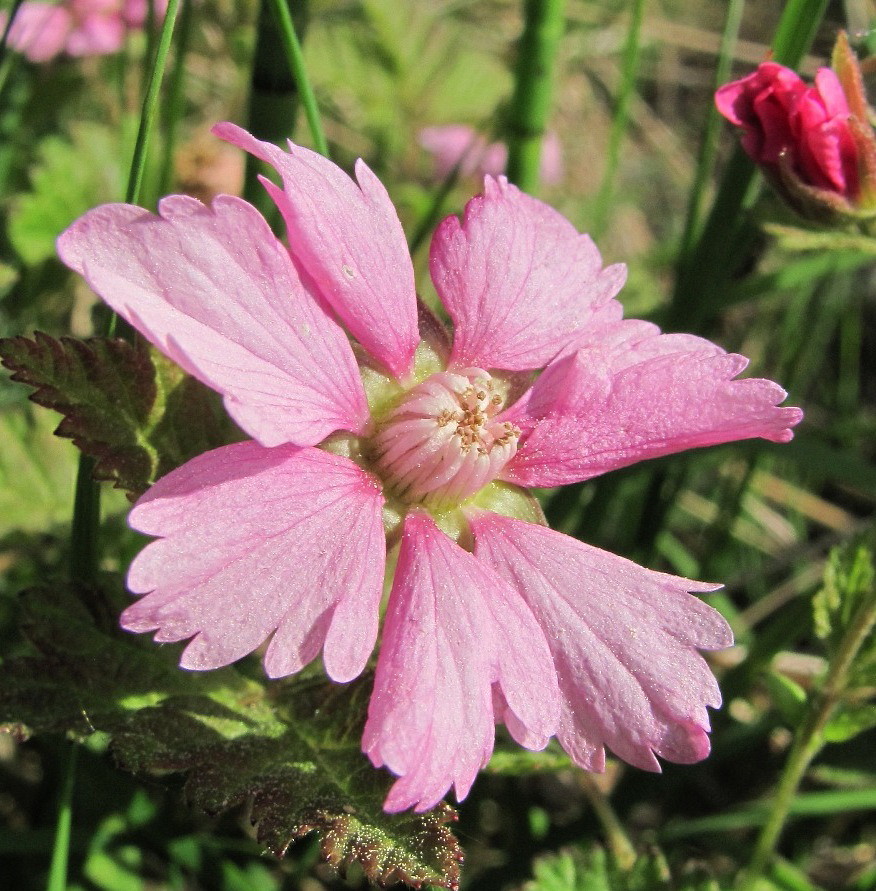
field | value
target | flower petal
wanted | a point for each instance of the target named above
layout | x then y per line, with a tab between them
623	639
639	394
453	630
39	31
255	541
347	237
97	35
213	289
518	280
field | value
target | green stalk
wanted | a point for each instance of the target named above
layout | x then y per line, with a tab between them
706	158
7	60
618	841
174	104
13	12
621	117
150	105
702	274
533	88
808	742
84	551
61	848
295	57
273	100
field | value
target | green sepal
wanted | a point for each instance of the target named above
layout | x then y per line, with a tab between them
135	412
289	748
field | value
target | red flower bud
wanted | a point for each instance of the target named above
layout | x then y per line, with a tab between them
805	129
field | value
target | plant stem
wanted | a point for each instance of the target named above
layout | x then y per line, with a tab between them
808	741
174	105
725	240
13	12
150	105
84	551
533	87
273	101
61	847
295	57
618	842
709	144
621	116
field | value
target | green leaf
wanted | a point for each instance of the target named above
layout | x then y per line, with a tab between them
848	584
37	472
70	176
788	697
135	412
291	749
518	762
575	869
849	721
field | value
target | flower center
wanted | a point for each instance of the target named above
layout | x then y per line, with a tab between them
442	444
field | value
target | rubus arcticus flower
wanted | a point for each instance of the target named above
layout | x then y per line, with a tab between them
396	445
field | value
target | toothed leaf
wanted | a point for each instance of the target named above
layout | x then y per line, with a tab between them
135	412
291	749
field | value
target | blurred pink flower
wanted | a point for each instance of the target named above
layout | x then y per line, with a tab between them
458	144
42	31
424	446
804	127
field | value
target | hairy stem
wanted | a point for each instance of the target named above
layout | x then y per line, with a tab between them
808	742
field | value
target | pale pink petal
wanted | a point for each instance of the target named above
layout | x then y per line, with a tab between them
40	30
254	541
136	12
518	280
624	641
551	168
453	145
453	632
97	35
830	90
347	237
214	290
634	398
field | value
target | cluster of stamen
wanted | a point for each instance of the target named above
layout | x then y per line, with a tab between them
442	443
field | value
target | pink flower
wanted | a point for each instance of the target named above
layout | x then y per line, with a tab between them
42	31
455	145
786	121
390	439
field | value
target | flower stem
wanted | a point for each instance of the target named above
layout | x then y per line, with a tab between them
84	551
61	848
725	239
709	144
273	100
618	842
295	57
174	105
533	87
13	12
808	741
150	105
621	116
